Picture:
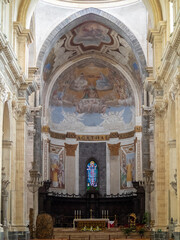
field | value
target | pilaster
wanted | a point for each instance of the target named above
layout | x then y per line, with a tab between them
1	134
177	103
158	39
114	168
70	168
161	191
22	40
21	178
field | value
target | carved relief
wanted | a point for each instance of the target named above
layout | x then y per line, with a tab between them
70	149
3	92
114	149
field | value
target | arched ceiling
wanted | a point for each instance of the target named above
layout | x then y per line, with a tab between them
27	7
91	37
118	44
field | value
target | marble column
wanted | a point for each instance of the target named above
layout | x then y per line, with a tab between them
70	168
114	168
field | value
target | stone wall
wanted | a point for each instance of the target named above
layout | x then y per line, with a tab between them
98	152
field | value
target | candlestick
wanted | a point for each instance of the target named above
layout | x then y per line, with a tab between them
90	213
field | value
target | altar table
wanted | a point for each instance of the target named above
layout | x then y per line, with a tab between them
91	222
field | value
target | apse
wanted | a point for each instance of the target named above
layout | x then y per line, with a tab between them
91	101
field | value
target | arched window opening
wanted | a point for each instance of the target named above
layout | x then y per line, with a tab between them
171	17
92	176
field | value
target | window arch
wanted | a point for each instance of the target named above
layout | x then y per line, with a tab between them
92	175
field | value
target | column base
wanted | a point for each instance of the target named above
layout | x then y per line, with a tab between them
159	235
1	232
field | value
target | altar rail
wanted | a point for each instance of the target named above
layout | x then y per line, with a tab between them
66	195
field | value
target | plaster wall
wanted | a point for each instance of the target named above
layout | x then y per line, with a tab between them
130	15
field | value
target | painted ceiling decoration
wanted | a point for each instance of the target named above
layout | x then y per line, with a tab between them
91	37
91	94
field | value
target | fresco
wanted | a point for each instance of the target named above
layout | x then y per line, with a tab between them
91	94
57	166
87	38
91	34
127	166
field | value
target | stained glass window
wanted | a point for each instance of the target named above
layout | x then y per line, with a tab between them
92	176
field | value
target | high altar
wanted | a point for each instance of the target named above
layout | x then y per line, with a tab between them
102	223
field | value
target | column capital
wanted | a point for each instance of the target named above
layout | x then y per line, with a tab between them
70	149
114	149
160	106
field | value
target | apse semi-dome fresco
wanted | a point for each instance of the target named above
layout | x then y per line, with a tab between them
91	95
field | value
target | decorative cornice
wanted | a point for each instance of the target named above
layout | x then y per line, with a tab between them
114	149
8	56
63	136
70	149
22	32
156	33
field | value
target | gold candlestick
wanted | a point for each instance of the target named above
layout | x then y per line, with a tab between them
90	213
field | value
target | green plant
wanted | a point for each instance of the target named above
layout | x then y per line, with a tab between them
127	231
146	218
141	231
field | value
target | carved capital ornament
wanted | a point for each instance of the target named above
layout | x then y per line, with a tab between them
114	149
70	149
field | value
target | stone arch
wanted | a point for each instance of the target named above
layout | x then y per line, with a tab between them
99	16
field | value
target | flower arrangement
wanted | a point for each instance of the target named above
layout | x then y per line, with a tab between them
91	229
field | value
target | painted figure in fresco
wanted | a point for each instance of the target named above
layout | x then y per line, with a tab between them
79	83
54	171
129	174
92	174
91	33
61	177
90	92
103	83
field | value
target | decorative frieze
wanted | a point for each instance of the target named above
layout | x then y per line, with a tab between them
12	73
70	149
114	149
63	136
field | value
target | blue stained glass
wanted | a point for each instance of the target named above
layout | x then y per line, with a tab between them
92	176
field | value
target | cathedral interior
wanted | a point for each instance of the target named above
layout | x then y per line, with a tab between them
89	114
